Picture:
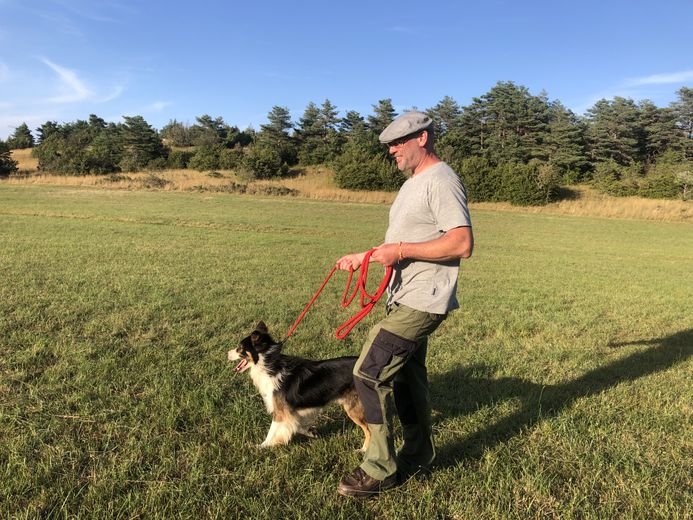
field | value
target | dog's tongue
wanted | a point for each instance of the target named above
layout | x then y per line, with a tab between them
242	366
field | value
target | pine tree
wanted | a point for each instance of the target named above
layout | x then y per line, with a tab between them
7	164
445	115
658	130
683	109
507	124
614	131
383	114
309	136
566	144
141	143
275	135
21	138
46	129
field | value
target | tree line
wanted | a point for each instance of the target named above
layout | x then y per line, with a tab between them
508	145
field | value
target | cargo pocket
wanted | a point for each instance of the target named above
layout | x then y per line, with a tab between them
385	347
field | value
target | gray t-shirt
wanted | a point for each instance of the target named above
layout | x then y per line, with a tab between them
427	205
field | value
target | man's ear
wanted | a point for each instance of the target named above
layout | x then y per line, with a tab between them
261	327
423	139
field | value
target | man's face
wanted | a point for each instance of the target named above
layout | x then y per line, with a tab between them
406	152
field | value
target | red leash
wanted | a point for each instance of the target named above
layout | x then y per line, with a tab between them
367	300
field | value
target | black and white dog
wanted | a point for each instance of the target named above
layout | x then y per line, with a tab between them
296	389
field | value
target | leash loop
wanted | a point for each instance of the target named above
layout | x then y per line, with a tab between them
367	300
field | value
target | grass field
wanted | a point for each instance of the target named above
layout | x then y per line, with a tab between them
561	389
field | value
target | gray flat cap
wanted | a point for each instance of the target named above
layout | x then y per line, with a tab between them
406	124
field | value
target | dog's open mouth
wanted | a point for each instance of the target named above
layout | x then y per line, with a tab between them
242	366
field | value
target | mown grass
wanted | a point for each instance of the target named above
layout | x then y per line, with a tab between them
561	389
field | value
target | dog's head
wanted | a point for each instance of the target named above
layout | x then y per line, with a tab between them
257	343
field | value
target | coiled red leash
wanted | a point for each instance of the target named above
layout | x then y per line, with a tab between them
368	301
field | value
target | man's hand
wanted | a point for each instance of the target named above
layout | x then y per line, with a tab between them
352	261
386	254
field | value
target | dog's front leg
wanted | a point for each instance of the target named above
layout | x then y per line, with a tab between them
270	436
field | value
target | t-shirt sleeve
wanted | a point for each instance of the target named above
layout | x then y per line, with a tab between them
449	203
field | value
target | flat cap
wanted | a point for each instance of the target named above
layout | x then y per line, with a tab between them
406	124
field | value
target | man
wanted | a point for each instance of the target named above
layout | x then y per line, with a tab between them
429	231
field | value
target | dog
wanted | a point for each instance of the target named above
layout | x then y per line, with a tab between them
295	389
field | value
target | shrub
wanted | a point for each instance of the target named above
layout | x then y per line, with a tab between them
179	159
230	158
205	158
482	182
531	184
158	164
359	169
263	162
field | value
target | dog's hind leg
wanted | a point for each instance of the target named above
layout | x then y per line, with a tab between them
305	420
354	409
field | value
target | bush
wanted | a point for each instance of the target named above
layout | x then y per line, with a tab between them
531	184
205	158
179	159
158	164
358	169
482	182
262	162
230	158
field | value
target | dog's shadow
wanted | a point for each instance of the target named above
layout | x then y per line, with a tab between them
465	390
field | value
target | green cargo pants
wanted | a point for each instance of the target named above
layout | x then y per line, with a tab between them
390	376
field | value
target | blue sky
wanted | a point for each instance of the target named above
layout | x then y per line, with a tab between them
65	59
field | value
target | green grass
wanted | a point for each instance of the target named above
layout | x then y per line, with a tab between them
561	389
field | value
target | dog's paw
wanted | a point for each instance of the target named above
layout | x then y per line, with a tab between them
311	432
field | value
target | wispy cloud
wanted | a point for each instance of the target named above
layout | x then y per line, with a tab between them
74	88
158	106
117	91
662	79
636	88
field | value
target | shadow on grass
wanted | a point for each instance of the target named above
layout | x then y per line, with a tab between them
538	401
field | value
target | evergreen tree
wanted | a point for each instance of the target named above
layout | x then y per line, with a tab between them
352	123
275	135
21	138
309	136
208	131
7	164
445	115
46	129
329	120
566	144
141	144
105	151
316	134
683	109
383	114
658	130
614	132
507	124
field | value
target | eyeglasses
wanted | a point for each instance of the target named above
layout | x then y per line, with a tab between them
402	140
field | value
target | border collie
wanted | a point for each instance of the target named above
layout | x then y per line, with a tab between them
295	389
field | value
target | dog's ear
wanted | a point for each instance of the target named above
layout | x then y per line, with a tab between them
261	327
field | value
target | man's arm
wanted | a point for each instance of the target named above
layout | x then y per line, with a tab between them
454	244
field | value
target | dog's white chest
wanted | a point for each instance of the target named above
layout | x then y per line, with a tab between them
265	384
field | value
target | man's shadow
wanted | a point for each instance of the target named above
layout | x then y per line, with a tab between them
465	390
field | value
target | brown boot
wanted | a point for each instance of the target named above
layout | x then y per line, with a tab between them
361	484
